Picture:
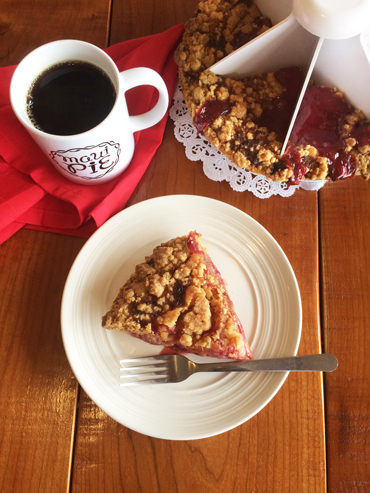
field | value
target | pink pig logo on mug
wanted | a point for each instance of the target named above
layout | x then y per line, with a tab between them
90	162
70	93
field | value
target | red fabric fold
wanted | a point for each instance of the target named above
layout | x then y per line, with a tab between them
34	194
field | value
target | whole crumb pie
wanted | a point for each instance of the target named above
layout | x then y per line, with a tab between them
247	119
178	299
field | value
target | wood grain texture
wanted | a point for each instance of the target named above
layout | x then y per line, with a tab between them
136	18
279	450
282	448
37	388
345	239
38	391
26	25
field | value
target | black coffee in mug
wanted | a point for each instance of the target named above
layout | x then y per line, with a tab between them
70	98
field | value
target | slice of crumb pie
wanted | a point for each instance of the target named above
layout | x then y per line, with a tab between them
178	299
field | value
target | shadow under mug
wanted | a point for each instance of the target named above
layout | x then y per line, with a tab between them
101	153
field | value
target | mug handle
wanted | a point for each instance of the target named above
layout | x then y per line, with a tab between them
143	76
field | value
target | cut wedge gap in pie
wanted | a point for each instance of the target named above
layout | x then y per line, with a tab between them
178	299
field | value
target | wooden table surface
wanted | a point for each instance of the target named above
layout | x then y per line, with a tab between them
314	436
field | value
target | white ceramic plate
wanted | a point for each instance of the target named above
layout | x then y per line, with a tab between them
260	281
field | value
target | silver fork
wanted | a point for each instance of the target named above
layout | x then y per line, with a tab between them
172	368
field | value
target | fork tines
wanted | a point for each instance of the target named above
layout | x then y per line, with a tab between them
136	371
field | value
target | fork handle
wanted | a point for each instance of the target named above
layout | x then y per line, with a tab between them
312	362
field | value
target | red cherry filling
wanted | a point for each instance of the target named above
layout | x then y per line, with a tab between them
278	113
320	120
292	159
209	112
342	165
242	38
319	123
179	293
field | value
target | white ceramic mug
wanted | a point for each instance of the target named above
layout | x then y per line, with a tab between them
101	153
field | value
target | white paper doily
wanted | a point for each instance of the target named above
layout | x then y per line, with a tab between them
217	167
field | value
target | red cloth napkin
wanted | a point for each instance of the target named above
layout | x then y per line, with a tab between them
35	195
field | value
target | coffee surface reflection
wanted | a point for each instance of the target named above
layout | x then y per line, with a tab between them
70	98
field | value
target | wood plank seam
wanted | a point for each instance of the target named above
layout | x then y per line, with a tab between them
73	440
322	323
109	24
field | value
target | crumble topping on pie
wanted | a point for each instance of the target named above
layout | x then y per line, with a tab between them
247	119
178	299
